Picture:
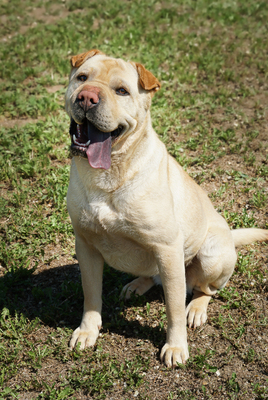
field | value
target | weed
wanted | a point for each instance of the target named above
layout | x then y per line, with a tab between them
259	199
51	393
236	220
260	391
233	384
200	362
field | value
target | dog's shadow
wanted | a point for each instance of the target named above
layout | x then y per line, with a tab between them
55	296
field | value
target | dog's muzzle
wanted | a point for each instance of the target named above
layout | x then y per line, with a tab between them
88	141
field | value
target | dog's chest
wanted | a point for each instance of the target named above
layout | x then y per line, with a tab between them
100	218
116	239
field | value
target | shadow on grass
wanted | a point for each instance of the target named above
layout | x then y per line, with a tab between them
55	297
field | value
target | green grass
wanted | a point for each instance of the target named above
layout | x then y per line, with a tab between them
212	115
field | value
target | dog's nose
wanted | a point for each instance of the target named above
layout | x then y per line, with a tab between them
88	97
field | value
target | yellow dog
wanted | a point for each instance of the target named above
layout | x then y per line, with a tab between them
133	206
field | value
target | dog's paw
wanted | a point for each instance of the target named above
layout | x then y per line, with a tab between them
173	355
196	313
86	338
138	286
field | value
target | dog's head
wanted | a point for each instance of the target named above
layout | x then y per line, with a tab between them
107	100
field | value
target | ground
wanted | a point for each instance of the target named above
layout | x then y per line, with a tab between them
212	115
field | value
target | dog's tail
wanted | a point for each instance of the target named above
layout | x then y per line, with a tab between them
249	235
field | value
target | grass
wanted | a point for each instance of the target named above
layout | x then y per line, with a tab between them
212	115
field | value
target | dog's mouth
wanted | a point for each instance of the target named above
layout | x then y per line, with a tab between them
88	141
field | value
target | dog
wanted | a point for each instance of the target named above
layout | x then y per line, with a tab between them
134	207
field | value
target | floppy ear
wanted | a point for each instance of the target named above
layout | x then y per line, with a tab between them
147	80
77	61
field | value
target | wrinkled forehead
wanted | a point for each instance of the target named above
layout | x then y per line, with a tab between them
106	68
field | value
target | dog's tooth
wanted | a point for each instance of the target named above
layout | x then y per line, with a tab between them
74	138
87	143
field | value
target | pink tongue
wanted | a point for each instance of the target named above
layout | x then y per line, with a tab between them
99	150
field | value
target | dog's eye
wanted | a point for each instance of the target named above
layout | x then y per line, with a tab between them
122	91
82	78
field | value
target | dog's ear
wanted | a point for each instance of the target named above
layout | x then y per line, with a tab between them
147	80
77	61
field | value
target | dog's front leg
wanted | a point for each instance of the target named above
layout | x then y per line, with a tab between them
171	268
91	266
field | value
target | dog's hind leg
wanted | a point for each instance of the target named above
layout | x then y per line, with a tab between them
138	286
209	272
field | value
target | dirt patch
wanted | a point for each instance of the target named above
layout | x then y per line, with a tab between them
39	15
11	123
55	88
